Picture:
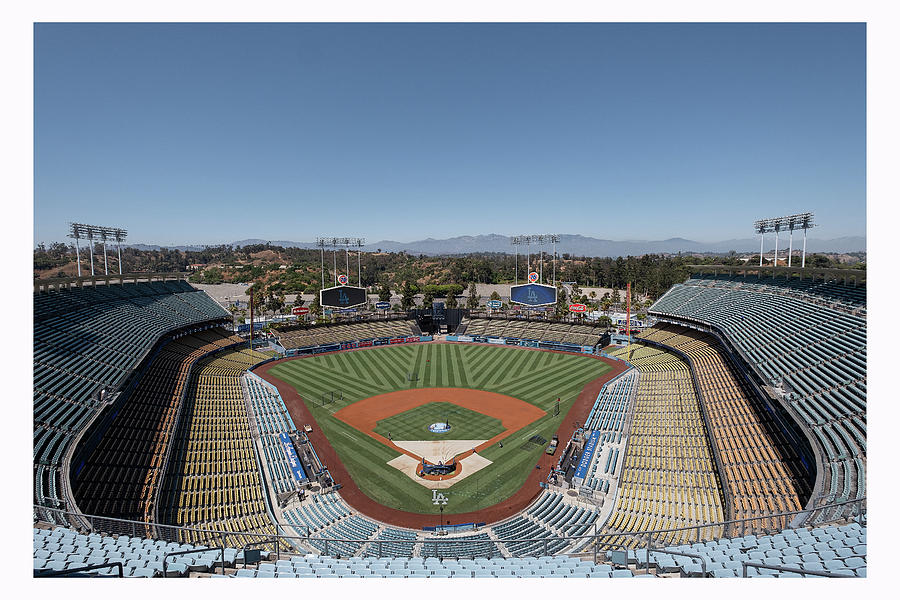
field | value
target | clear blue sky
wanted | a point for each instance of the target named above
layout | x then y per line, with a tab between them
218	132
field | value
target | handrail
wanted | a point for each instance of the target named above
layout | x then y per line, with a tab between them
195	551
760	565
679	553
65	572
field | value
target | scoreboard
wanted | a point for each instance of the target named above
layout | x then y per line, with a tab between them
532	294
342	296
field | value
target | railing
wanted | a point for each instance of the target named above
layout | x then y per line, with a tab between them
841	511
67	572
45	285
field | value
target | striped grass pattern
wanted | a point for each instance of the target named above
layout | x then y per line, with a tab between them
535	377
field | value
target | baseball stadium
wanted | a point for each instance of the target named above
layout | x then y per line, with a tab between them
722	437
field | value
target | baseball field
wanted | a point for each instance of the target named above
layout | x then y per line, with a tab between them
376	405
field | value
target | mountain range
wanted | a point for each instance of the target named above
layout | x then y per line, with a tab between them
578	245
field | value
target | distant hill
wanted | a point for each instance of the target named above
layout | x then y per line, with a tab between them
578	245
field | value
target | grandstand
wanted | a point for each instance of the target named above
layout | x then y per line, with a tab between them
805	343
213	480
120	474
761	470
520	329
669	479
746	400
325	335
88	342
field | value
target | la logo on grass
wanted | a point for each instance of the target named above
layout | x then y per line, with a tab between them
437	498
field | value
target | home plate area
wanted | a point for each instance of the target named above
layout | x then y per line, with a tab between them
434	452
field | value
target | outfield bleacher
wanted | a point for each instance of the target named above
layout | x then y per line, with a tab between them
324	335
669	478
91	339
804	338
546	331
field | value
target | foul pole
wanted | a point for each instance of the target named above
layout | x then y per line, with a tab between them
628	316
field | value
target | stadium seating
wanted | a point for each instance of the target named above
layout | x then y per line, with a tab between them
60	549
119	477
835	549
669	478
550	517
322	335
759	464
213	479
839	549
269	417
806	338
91	339
548	331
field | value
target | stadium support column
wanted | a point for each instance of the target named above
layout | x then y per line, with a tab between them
790	245
516	273
775	264
77	256
803	261
762	238
91	241
119	248
105	265
334	257
359	266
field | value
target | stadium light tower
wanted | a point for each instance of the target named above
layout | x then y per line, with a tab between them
120	235
762	227
516	241
806	223
321	242
75	230
81	231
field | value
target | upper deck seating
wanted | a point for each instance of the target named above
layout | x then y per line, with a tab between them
815	353
92	338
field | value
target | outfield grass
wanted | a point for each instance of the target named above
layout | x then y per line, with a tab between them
465	424
534	377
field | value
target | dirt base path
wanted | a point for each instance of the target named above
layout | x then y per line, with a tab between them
351	493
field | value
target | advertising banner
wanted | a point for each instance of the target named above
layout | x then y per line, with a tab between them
589	447
291	456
